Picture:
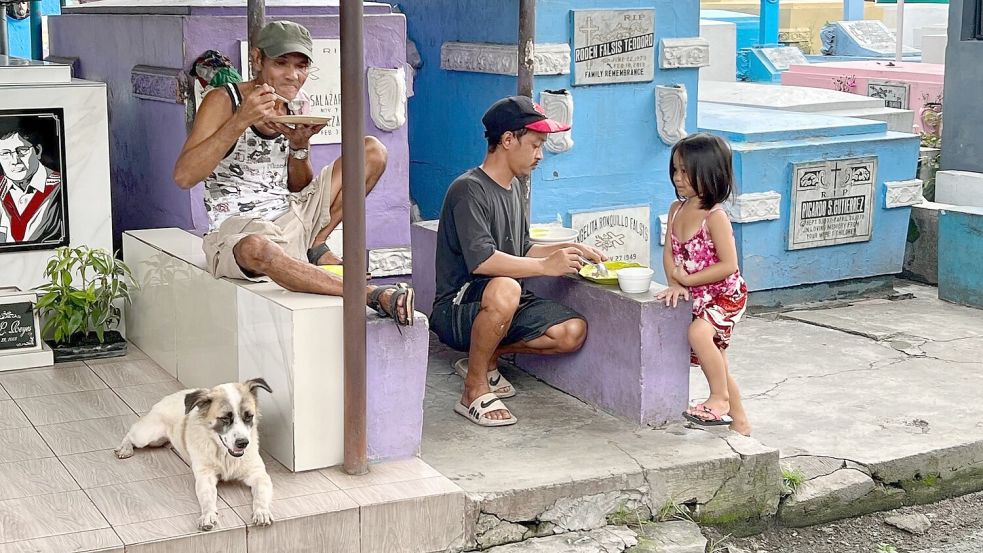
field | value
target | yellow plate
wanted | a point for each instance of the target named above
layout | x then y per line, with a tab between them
587	271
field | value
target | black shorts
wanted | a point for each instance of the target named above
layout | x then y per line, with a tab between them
452	319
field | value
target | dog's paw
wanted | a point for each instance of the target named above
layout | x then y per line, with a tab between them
124	452
208	521
262	517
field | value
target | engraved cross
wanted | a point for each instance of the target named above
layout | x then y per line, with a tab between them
588	28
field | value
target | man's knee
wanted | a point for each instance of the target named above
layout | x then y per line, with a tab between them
502	295
571	335
376	154
256	253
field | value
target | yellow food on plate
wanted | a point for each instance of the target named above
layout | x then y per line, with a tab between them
589	271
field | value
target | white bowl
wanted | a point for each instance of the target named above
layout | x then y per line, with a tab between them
635	280
551	234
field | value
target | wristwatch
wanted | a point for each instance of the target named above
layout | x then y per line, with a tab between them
300	153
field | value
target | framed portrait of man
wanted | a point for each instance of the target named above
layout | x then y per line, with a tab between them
33	186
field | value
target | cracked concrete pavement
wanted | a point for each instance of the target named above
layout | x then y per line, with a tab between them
885	389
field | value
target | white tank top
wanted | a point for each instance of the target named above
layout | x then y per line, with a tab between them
251	180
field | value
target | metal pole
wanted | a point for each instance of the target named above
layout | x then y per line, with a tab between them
353	207
4	43
527	46
526	73
768	21
37	45
899	43
255	19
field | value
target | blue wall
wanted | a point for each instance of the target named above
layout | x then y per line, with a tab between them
617	158
747	25
19	32
766	143
960	251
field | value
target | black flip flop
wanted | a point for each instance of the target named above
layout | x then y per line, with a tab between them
717	420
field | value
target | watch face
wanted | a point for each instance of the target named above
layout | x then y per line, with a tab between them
299	154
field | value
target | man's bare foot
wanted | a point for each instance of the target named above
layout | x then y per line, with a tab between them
474	390
329	258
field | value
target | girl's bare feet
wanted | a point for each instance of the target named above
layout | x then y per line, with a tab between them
743	428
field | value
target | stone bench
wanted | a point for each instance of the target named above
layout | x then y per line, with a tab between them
206	331
635	362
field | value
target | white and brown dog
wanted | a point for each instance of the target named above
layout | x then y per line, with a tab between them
215	432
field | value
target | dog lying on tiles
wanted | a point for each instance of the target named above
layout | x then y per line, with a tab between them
215	431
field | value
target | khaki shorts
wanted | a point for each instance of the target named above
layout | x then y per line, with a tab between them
294	231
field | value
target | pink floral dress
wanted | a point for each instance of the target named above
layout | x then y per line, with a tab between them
721	304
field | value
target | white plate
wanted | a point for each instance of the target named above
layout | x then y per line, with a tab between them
553	234
300	119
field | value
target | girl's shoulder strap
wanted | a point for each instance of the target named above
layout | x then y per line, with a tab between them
673	210
714	209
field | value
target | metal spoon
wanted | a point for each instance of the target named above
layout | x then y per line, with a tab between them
600	269
293	105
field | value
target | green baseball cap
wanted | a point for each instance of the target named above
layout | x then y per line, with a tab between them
280	38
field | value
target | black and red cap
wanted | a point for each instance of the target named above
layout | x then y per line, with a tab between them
518	112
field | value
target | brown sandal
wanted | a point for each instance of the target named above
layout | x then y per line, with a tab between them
402	314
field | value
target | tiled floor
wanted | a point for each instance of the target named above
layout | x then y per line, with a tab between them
62	489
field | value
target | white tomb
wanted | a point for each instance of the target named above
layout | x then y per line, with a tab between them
933	48
959	188
71	126
806	100
916	16
722	36
919	33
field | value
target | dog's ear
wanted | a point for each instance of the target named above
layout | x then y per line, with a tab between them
254	383
196	398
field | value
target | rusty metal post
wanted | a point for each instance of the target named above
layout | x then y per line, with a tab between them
527	46
526	67
353	220
255	19
4	43
37	45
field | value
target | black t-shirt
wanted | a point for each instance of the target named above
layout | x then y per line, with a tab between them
478	217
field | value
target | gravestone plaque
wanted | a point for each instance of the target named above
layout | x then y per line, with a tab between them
832	202
18	324
613	46
784	56
894	93
872	35
323	86
622	233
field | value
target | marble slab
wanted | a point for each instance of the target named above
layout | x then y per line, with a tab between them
86	165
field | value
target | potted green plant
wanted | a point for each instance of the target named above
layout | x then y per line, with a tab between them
80	303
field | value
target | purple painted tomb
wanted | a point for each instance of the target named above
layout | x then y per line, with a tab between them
635	363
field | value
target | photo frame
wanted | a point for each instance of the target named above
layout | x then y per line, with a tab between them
33	180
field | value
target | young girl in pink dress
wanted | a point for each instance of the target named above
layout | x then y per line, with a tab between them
701	263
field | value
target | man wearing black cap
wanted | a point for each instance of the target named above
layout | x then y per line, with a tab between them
269	212
484	252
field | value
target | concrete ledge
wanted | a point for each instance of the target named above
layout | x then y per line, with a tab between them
206	331
959	188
